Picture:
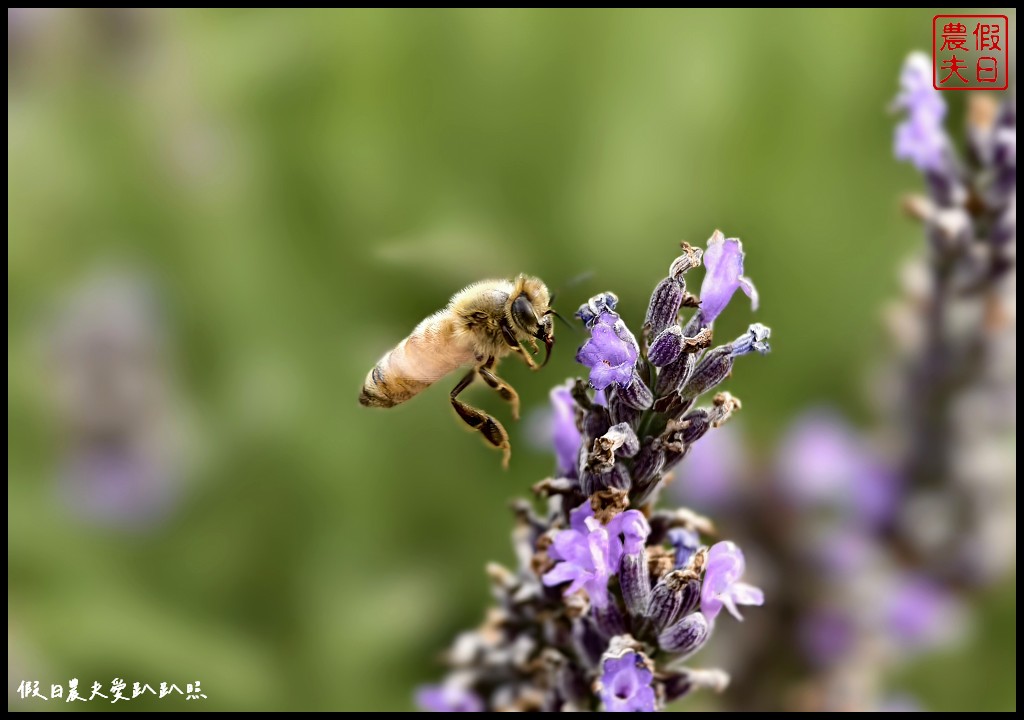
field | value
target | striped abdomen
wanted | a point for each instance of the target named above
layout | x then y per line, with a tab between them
427	355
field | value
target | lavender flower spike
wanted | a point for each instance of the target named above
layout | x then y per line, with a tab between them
625	684
724	262
722	587
920	138
592	571
611	352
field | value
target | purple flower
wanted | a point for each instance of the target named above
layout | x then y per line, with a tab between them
721	582
589	553
610	353
585	556
633	527
448	697
555	426
564	433
920	138
626	684
919	614
724	262
824	462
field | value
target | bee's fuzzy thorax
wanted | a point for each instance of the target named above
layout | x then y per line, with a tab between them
477	311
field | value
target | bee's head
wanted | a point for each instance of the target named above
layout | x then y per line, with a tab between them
530	313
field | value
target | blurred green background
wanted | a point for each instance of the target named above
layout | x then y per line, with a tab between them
303	187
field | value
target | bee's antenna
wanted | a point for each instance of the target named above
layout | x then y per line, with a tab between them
552	311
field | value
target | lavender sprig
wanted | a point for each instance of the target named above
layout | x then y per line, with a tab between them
956	328
955	331
611	595
882	548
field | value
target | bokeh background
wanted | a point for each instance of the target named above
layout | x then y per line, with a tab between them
248	207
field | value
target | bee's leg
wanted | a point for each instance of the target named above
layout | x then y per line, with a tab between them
503	388
480	421
528	358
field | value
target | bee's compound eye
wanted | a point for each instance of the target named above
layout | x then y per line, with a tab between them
523	314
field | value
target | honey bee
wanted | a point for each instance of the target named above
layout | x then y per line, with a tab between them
481	324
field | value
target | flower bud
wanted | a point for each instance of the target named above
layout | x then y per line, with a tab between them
673	375
697	424
755	339
680	683
666	599
663	309
635	582
685	542
711	370
636	395
616	478
666	346
686	636
647	468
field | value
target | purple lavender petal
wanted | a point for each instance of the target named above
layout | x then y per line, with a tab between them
586	555
632	525
578	517
611	352
564	433
626	684
602	375
608	341
920	138
724	262
721	586
566	572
